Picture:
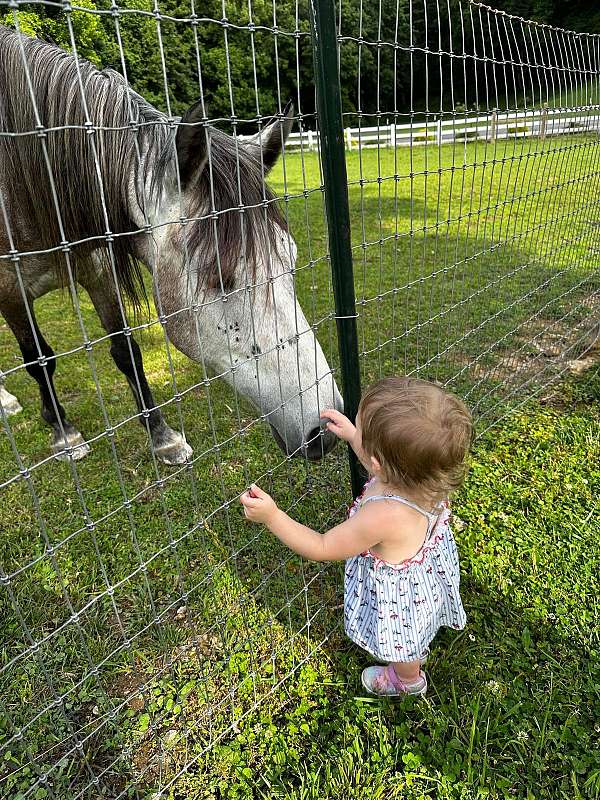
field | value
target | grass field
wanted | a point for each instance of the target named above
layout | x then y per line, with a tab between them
476	266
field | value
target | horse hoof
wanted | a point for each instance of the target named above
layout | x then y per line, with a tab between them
70	447
173	449
9	402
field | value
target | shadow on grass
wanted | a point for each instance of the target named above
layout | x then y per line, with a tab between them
161	622
505	710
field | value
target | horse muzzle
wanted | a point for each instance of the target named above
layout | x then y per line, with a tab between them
314	445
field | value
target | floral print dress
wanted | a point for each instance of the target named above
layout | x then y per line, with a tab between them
393	611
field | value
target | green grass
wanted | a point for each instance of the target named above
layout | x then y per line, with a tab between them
460	273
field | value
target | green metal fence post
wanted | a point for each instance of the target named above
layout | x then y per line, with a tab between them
333	160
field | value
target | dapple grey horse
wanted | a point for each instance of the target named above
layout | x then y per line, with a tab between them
95	181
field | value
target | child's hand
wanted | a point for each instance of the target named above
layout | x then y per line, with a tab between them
339	424
258	505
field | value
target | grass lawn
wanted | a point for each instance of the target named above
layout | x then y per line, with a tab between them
476	266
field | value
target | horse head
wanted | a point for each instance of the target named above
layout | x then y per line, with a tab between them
223	262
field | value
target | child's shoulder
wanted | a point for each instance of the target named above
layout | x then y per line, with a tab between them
390	513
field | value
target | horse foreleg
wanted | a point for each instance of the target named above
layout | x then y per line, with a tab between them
8	402
168	445
40	363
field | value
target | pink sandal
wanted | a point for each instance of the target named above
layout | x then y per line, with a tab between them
383	682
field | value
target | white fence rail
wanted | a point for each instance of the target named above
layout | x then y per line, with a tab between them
489	127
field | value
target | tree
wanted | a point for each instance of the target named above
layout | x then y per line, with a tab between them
260	56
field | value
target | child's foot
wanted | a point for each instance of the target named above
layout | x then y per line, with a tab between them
384	682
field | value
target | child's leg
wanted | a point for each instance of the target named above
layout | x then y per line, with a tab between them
407	671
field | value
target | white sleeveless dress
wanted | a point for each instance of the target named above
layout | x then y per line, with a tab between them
393	611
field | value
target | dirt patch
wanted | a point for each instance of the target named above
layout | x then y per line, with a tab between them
543	348
130	686
580	365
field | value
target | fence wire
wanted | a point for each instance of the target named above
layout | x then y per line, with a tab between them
144	624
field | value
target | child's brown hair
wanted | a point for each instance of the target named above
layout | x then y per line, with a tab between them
419	433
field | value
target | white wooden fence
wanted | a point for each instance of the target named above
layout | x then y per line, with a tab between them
541	122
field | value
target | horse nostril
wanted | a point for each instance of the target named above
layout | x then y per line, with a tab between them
313	435
318	443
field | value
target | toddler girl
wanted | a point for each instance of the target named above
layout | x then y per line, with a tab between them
402	575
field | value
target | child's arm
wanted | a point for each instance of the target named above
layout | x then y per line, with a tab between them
344	429
344	541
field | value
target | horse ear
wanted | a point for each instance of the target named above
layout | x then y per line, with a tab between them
190	143
272	137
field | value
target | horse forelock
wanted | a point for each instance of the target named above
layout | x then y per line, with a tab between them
232	217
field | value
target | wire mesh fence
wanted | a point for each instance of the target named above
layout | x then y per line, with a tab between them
144	625
499	237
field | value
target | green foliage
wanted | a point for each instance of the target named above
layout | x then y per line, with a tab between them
249	72
258	66
511	712
579	15
513	703
87	30
28	22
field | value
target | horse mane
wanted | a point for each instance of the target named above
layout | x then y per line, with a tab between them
91	169
230	191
